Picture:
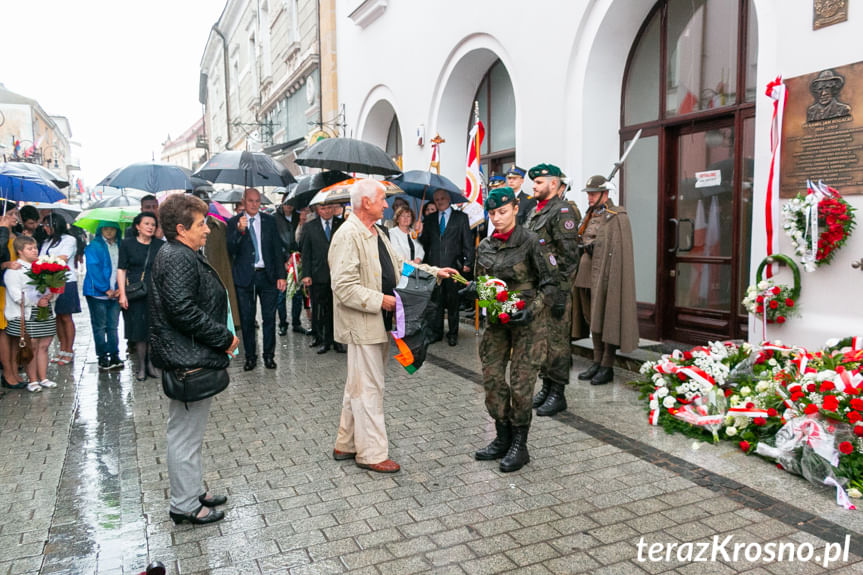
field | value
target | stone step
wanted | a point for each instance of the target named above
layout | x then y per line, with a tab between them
647	350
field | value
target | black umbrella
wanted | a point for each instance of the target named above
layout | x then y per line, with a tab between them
308	186
249	169
119	201
348	155
153	177
233	196
422	184
44	173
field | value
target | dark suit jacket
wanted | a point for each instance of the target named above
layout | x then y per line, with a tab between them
242	251
286	233
455	248
315	248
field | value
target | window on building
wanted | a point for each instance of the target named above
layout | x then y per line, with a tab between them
496	101
394	141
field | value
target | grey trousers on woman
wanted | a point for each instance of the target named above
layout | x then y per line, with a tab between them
185	440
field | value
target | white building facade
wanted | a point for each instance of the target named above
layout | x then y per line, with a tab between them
570	82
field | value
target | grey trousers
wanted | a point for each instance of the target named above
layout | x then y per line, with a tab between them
185	440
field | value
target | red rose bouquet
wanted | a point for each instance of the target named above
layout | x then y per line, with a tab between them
47	274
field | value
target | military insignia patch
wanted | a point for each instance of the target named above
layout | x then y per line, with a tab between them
551	259
569	224
564	210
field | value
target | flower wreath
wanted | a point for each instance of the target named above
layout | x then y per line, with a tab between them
818	224
769	300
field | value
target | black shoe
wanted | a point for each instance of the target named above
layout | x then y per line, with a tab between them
323	349
283	330
554	403
603	375
499	446
8	385
114	362
340	347
269	363
212	501
588	374
452	340
155	568
141	376
517	456
193	518
104	363
316	342
301	329
250	364
539	398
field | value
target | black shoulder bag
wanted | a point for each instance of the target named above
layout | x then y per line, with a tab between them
194	384
138	290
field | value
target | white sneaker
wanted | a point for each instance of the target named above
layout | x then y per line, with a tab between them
47	383
33	387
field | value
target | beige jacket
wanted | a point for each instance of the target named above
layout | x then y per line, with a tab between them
355	272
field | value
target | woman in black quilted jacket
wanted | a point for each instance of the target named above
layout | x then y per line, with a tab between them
189	338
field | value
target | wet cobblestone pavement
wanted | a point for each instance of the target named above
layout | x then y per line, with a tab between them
84	488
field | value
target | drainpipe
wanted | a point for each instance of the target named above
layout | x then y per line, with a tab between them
227	82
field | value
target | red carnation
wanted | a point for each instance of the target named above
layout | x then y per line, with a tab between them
729	392
774	304
854	416
772	412
744	445
759	421
36	268
846	447
780	319
831	403
796	395
502	296
750	405
811	409
810	388
503	317
858	430
759	309
760	299
857	404
775	290
519	305
789	302
826	386
795	388
687	355
681	376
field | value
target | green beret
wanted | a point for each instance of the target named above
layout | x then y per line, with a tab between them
499	197
549	170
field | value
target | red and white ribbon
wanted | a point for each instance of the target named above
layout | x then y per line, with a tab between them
747	412
776	90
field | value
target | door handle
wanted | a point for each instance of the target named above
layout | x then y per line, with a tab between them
676	223
691	243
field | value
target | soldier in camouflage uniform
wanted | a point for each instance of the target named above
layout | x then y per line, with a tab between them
514	255
555	221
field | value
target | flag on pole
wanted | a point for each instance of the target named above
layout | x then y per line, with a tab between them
473	181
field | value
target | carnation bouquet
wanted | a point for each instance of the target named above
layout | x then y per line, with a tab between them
775	302
495	297
818	223
295	272
47	274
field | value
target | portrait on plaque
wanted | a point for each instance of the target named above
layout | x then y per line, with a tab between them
822	131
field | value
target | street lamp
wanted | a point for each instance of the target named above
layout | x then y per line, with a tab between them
57	152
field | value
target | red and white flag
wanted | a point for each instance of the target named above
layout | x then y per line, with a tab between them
473	181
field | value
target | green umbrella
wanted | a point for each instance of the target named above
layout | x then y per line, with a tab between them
90	219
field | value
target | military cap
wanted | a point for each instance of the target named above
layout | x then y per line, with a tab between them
549	170
515	171
596	184
499	197
496	180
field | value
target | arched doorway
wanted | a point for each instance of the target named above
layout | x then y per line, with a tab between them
380	125
496	101
690	87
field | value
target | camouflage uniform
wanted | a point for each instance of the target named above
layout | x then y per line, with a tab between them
529	269
556	225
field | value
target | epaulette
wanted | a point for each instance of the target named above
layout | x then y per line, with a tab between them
612	212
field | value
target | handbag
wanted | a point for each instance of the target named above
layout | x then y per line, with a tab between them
194	384
138	290
24	353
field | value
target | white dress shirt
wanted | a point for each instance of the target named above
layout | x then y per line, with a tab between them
259	263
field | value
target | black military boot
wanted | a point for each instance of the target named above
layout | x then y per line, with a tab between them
603	375
555	402
517	456
499	446
588	374
539	398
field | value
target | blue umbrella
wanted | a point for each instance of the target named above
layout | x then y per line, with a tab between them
152	177
20	186
422	184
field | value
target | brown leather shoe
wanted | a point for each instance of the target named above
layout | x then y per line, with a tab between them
386	466
342	455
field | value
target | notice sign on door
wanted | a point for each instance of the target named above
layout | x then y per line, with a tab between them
708	178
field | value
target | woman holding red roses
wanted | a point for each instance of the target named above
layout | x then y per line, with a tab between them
64	246
512	254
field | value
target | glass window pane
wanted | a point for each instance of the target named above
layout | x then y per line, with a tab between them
703	286
751	53
641	101
701	69
705	204
746	207
502	121
641	178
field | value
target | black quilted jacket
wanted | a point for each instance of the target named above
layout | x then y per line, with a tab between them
188	311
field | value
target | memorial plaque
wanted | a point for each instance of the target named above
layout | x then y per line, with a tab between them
828	12
822	131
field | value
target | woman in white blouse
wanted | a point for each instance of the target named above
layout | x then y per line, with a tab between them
400	236
63	245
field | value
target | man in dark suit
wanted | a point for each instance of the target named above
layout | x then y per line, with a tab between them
316	276
287	222
447	241
259	271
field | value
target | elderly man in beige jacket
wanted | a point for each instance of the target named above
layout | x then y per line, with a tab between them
365	269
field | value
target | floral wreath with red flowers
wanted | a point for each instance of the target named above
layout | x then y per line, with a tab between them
818	223
772	301
494	296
